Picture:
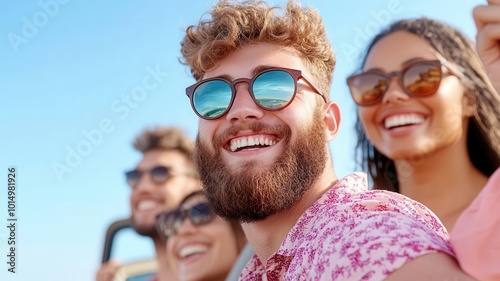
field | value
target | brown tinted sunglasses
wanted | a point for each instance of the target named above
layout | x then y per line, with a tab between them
420	78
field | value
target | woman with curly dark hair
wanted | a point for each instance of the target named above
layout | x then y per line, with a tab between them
428	118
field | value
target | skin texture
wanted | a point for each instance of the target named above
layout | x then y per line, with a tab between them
216	243
266	234
431	157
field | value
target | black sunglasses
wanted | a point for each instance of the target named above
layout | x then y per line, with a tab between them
168	223
420	78
158	174
272	89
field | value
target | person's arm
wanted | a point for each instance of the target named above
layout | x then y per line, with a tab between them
430	267
396	239
487	19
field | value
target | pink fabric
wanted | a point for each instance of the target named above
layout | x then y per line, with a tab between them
351	233
476	235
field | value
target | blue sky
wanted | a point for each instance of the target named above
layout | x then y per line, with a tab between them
80	79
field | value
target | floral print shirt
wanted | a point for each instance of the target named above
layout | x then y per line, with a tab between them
352	233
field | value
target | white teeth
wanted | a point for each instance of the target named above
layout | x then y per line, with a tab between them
145	205
244	142
191	250
250	141
401	120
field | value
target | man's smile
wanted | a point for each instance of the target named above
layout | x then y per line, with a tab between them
251	142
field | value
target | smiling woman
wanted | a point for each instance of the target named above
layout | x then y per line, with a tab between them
429	143
200	245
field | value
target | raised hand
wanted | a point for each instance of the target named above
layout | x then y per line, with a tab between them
487	19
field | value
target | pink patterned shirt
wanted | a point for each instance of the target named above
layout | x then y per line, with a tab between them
352	233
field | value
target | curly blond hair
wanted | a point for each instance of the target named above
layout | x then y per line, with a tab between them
232	25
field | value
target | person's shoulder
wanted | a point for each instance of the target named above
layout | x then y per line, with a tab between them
376	215
379	217
350	200
395	202
352	192
474	236
361	233
369	246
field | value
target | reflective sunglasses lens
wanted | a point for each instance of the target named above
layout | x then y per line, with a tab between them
201	213
159	174
133	177
367	88
422	79
274	89
212	98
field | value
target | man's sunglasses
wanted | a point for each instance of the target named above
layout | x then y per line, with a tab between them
168	223
158	174
272	89
421	78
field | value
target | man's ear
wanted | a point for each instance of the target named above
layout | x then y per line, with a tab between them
469	104
332	119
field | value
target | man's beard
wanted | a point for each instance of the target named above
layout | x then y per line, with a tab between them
148	230
253	193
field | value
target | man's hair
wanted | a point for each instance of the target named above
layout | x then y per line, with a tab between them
167	138
483	135
234	25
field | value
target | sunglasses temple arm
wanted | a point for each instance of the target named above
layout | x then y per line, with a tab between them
315	88
455	71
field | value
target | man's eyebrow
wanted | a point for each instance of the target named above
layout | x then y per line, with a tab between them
261	68
222	76
255	71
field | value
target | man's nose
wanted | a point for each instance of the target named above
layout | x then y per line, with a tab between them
244	107
144	183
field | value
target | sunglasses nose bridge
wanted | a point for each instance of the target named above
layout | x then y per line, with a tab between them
394	94
244	106
144	181
239	81
390	75
185	225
